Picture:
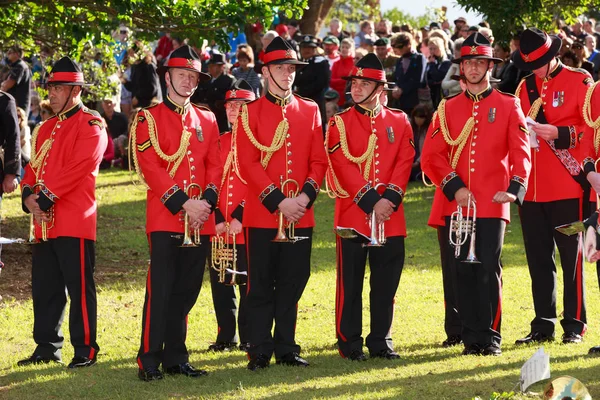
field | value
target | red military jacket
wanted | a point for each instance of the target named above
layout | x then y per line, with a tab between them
169	136
390	160
232	193
562	94
299	155
495	156
436	216
66	152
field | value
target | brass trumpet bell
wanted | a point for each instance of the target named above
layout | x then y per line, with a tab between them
224	258
461	227
377	238
31	239
193	239
281	236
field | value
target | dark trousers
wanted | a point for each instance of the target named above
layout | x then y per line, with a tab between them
386	265
479	286
277	276
172	287
452	324
59	264
226	305
538	221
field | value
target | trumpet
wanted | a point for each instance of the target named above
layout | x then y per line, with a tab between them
281	236
188	241
377	238
224	257
460	229
45	227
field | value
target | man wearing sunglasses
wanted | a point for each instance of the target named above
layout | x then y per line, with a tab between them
409	73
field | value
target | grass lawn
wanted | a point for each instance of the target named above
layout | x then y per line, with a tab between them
426	371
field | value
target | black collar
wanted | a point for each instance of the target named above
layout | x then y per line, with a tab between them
369	113
70	112
279	101
479	96
559	67
171	105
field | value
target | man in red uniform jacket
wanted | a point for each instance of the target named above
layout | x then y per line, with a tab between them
553	96
370	147
228	218
176	145
477	148
279	137
59	190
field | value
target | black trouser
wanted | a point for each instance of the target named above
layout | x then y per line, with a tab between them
479	286
452	324
538	221
64	262
226	304
172	287
386	265
277	276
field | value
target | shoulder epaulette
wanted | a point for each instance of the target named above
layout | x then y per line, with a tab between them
579	70
304	98
453	96
505	93
151	106
200	107
394	109
91	112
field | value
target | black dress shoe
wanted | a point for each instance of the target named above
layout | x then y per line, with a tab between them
452	340
491	350
472	350
35	359
244	346
80	362
571	337
185	369
222	346
594	350
293	360
535	337
149	374
260	361
357	355
385	353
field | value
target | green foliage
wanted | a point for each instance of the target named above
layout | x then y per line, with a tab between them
352	12
509	16
399	17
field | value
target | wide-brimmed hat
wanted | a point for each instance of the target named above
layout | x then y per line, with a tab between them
66	72
241	90
186	58
537	48
217	58
368	68
460	19
476	46
280	51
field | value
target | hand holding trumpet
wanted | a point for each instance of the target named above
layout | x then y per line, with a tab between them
34	208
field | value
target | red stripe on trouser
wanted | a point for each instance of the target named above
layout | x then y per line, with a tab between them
578	274
499	309
340	289
84	312
149	290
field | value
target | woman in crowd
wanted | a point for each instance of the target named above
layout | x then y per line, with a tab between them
342	68
245	70
450	85
437	67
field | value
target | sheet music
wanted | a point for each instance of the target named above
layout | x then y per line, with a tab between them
535	369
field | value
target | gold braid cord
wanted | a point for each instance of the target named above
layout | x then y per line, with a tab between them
535	108
175	159
37	157
278	138
461	140
587	115
236	165
334	188
226	168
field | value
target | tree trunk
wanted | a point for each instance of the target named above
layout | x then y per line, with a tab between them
313	18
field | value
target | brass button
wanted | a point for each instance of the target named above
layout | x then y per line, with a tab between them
191	160
376	180
472	169
193	168
289	153
289	171
473	144
289	162
472	161
289	144
230	203
231	186
231	178
193	177
472	151
474	137
189	152
376	162
230	194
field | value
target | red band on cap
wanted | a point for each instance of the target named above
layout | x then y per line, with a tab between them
239	94
368	73
185	63
280	55
65	77
476	51
537	53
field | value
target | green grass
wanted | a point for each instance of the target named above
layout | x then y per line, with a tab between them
426	371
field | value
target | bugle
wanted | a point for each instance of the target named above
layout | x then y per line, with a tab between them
224	257
44	224
377	238
281	236
461	227
193	239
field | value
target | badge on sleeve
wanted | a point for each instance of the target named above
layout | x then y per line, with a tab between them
558	98
199	134
390	134
491	115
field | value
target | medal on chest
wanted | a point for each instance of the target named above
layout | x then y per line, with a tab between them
491	115
199	134
558	98
390	134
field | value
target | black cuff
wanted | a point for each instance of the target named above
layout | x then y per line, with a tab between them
367	201
44	202
452	186
271	201
564	138
25	193
219	216
589	165
211	196
592	221
394	197
310	192
515	188
175	202
238	213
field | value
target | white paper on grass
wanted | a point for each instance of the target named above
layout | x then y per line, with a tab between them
533	141
535	369
4	240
